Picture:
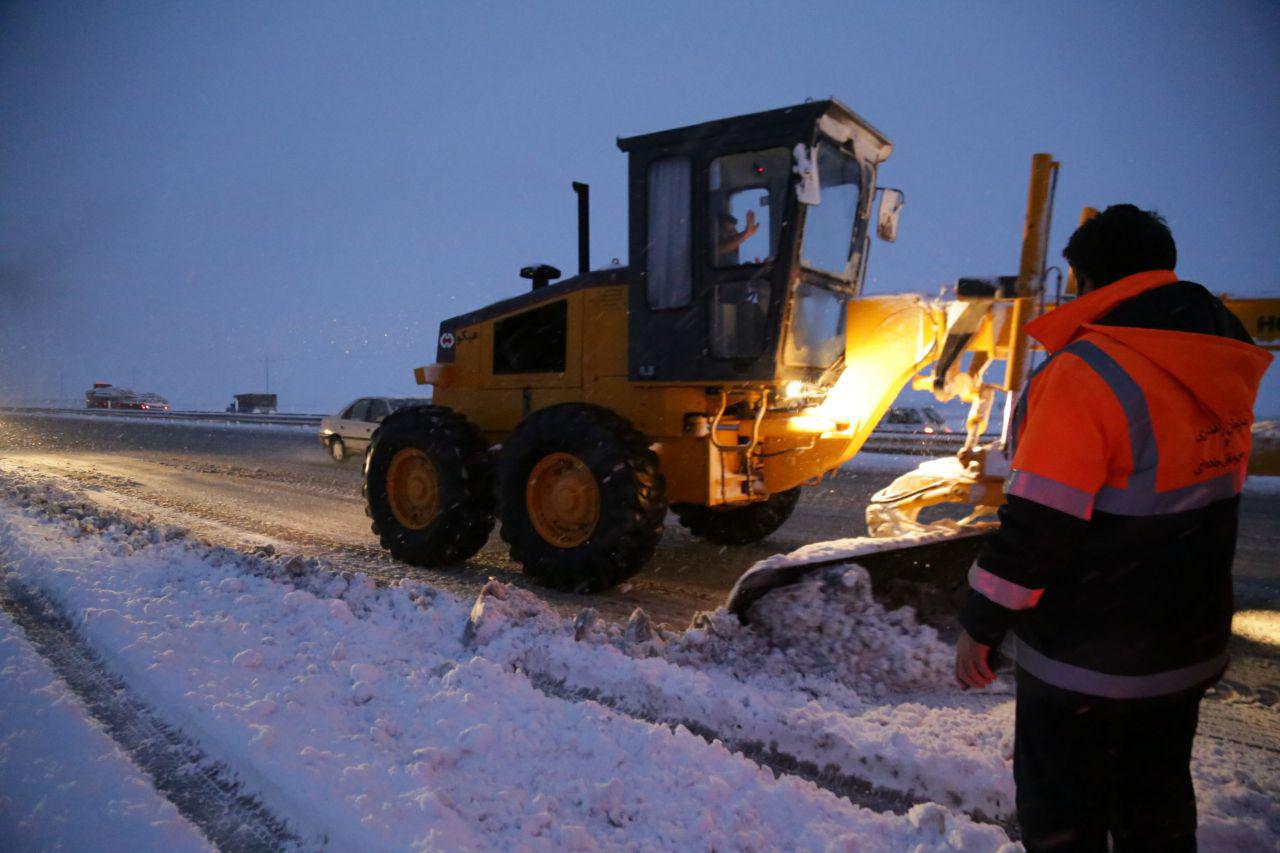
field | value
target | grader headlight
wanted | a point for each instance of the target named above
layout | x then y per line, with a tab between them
793	390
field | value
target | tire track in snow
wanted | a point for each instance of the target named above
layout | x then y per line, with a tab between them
831	778
204	791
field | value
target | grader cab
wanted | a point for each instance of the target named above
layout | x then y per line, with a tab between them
732	361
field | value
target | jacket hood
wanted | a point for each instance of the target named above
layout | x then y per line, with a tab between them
1062	325
1222	373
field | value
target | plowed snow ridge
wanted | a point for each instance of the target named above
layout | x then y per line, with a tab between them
387	729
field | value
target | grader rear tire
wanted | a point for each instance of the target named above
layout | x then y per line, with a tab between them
428	486
581	500
742	525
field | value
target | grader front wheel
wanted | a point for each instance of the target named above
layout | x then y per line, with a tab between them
582	502
428	486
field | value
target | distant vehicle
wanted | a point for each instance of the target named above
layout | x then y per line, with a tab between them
104	395
348	433
913	419
254	404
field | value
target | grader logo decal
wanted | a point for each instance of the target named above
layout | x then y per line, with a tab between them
446	340
1268	325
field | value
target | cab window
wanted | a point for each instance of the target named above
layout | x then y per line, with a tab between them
533	341
829	224
747	194
670	280
378	410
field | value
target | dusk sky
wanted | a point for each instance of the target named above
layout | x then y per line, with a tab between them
190	189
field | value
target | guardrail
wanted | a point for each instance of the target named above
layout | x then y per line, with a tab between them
224	417
915	444
907	443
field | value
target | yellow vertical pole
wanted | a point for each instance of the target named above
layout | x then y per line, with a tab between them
1035	250
1073	287
1035	232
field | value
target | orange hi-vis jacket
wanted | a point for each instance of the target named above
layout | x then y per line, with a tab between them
1113	561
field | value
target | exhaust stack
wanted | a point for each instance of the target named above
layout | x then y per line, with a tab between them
584	225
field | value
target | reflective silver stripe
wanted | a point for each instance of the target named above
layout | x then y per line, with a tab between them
1005	593
1020	408
1092	683
1050	493
1142	443
1130	502
1140	497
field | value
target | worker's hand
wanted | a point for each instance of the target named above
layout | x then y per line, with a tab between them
972	667
752	226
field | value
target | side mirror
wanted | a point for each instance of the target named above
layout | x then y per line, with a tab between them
891	202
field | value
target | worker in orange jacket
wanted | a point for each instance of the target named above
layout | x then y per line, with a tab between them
1112	566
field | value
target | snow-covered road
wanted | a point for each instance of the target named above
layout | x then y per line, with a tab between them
245	486
387	717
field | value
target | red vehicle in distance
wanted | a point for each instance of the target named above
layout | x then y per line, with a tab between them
104	395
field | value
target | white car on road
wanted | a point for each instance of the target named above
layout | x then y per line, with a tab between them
349	432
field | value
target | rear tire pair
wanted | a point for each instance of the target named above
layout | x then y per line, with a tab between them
742	525
578	490
579	493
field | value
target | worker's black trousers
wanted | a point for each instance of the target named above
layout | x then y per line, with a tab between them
1088	767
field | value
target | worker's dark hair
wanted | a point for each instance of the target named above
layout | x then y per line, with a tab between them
1121	241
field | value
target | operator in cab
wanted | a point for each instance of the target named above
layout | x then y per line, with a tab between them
730	238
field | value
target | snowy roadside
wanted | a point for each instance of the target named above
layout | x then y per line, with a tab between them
360	716
1258	484
64	783
387	717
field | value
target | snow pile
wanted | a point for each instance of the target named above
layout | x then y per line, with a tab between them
827	627
360	715
1237	803
788	691
79	517
500	607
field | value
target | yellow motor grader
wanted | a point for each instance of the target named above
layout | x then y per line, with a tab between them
731	362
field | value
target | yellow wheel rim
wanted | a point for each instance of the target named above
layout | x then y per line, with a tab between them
563	500
412	488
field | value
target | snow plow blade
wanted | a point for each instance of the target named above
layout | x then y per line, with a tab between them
916	556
